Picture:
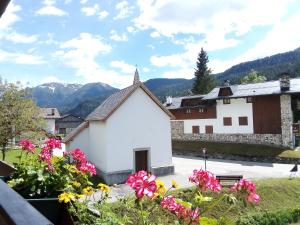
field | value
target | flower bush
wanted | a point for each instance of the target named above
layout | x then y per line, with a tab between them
45	175
153	197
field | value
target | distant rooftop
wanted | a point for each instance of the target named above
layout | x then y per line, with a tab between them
49	113
256	89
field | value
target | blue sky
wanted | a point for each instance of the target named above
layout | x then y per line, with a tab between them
82	41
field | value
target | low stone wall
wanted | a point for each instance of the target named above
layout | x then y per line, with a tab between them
264	139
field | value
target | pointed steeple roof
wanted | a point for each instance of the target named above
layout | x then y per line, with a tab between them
136	79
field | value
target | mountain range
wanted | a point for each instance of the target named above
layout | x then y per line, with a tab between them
80	100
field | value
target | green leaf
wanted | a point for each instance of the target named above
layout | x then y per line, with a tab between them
200	198
208	221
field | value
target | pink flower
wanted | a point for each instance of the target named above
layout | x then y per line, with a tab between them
253	197
205	180
45	155
27	146
78	155
142	183
247	188
169	203
86	167
52	143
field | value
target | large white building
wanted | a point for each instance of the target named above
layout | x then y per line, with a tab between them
128	132
261	113
50	115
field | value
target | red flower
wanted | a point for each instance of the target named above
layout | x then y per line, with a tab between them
142	183
52	143
169	203
27	146
86	167
78	155
205	180
247	188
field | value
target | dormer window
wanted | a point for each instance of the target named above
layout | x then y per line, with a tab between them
226	101
225	91
52	112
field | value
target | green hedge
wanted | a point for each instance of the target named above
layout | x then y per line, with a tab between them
279	218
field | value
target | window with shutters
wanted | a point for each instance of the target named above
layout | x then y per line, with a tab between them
196	129
227	121
243	120
226	101
209	129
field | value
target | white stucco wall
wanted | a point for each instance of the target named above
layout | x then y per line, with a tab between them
80	141
237	108
97	144
138	123
50	125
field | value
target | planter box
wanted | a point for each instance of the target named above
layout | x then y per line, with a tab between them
52	210
6	169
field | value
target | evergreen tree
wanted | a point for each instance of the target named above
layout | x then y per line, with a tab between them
203	82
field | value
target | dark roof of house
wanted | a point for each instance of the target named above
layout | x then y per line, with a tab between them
176	101
114	101
49	113
67	115
76	131
256	89
111	104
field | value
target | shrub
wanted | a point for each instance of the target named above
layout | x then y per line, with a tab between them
278	218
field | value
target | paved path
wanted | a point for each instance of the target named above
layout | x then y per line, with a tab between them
185	165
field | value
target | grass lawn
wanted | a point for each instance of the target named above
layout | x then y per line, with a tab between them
233	149
13	156
276	195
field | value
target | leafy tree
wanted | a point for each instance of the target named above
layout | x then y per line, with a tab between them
19	115
204	82
253	77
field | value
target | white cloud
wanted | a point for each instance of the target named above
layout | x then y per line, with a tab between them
130	29
50	79
182	73
234	20
125	67
155	34
146	69
83	1
10	16
94	10
281	38
19	38
49	9
81	54
124	10
118	37
171	17
20	58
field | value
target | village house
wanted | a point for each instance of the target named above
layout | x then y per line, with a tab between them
128	132
65	124
50	115
260	113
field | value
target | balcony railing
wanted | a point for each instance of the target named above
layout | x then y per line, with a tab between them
15	210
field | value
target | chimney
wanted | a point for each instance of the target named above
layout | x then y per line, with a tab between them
52	112
169	100
284	82
227	83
